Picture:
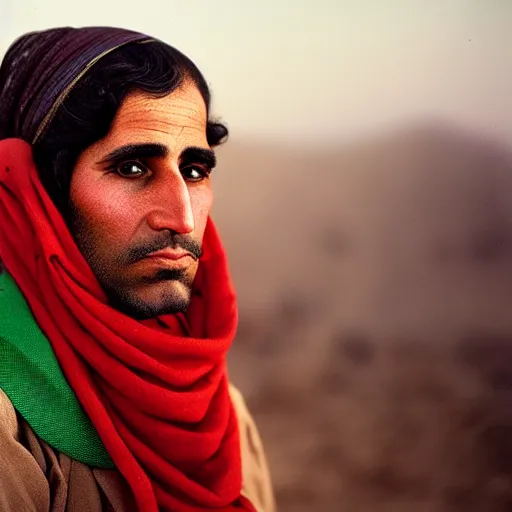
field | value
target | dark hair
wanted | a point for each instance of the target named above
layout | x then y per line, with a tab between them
87	113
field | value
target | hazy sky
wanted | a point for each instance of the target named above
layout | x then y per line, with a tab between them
321	70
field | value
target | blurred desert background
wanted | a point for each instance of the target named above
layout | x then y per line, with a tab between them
364	198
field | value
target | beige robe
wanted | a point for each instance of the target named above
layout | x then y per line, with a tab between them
36	478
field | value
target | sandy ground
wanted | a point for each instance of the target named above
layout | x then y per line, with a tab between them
375	339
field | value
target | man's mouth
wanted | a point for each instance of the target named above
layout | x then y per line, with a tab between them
170	254
164	250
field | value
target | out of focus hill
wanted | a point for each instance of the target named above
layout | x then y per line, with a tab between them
375	340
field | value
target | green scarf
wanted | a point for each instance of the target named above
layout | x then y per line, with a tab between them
32	379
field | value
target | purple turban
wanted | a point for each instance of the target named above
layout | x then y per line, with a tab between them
40	68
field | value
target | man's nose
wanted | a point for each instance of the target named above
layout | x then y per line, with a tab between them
171	206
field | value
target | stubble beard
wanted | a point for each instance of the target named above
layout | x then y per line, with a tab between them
127	296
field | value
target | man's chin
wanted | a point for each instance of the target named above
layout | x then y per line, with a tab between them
153	300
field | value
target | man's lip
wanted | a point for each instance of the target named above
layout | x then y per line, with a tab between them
169	254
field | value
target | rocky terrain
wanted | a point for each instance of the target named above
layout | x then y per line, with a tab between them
375	339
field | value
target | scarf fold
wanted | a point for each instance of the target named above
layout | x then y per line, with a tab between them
156	393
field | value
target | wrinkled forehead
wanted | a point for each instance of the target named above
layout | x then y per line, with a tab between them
183	108
176	120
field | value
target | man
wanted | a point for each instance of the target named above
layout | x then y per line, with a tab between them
117	308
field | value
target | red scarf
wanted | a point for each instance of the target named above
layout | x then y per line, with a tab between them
157	396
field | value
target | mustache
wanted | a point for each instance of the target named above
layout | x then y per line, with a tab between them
166	240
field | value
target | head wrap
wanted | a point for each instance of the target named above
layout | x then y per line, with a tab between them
156	393
40	69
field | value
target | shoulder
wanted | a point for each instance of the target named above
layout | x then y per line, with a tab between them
23	484
257	484
8	419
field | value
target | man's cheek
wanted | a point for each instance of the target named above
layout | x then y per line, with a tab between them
109	221
202	211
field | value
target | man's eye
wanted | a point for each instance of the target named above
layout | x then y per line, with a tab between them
131	170
195	173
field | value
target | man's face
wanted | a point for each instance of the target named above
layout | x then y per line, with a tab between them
140	200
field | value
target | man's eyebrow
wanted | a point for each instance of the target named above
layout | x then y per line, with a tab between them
194	154
135	152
